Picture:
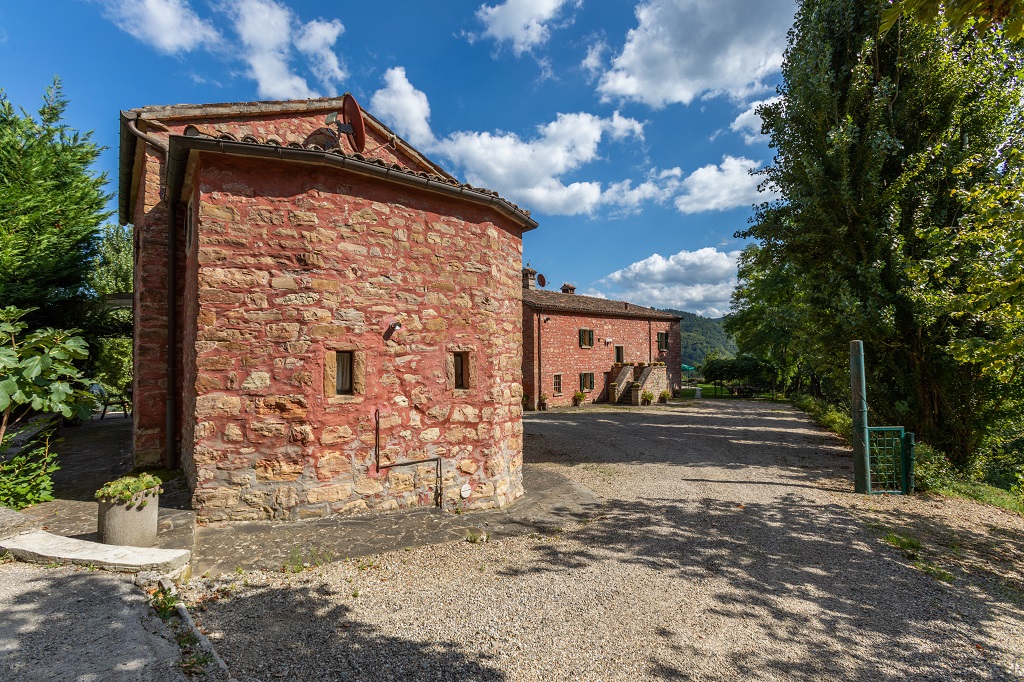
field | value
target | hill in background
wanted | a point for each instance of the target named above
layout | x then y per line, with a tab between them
701	335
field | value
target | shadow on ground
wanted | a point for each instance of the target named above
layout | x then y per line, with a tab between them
63	624
794	571
316	640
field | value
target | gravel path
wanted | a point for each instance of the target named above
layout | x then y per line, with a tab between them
730	547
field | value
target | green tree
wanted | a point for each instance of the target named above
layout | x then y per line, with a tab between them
881	143
37	371
960	13
51	205
112	274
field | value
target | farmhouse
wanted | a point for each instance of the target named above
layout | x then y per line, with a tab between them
610	351
322	323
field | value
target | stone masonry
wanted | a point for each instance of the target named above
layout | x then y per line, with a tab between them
284	264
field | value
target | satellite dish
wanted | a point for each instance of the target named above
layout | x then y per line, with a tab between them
542	280
351	123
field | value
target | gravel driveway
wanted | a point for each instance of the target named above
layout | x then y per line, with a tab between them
730	547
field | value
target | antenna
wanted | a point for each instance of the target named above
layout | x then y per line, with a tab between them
351	123
542	281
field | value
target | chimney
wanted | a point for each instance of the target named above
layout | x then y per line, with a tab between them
529	277
568	288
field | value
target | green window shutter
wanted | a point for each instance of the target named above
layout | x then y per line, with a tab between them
583	338
590	337
583	381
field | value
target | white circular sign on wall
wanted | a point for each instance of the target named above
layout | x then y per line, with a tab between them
466	491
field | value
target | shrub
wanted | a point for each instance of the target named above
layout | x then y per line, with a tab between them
932	470
828	416
646	398
664	396
579	397
26	478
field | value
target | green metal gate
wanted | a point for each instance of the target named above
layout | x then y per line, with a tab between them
890	460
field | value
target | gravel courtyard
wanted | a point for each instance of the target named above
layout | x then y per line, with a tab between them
730	546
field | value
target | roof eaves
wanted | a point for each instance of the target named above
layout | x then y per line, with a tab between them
181	144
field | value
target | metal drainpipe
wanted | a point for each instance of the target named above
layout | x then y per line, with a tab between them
437	460
171	408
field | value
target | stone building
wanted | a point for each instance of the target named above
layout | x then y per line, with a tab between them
332	315
612	351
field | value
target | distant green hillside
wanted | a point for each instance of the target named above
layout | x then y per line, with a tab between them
701	335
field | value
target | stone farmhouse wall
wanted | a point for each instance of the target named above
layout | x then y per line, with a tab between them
553	348
282	265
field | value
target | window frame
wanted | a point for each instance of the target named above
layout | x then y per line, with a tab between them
586	338
358	375
350	360
556	384
586	382
663	341
469	368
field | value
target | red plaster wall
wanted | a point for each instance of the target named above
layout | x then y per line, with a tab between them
292	261
555	349
151	274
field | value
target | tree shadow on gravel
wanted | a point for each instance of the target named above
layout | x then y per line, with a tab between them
63	624
796	576
740	435
296	632
817	590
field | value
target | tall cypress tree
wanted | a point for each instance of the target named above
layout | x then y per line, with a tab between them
51	205
880	141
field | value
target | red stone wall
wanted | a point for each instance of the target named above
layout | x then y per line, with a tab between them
557	350
294	262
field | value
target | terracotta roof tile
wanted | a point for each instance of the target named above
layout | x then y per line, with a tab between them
577	303
215	133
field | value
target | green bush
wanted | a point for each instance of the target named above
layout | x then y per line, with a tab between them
932	470
664	396
828	416
26	478
114	363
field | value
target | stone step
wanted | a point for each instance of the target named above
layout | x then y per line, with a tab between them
41	547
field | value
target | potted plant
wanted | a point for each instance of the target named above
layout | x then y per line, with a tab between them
542	401
128	510
664	396
646	398
578	397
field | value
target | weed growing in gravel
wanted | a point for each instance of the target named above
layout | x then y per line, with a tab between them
194	663
934	571
909	545
165	602
475	537
293	564
186	638
355	593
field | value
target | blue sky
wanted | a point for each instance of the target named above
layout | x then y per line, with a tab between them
627	128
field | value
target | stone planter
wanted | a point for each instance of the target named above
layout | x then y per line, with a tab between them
133	523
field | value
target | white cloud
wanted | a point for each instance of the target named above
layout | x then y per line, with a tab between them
404	107
168	26
701	281
748	123
528	171
659	187
593	63
315	40
265	27
523	23
722	187
682	49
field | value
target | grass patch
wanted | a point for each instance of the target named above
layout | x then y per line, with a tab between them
827	416
934	571
981	492
910	545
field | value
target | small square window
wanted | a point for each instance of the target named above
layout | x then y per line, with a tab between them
556	384
344	373
586	381
461	362
586	338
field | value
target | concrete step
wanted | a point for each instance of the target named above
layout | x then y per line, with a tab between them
41	547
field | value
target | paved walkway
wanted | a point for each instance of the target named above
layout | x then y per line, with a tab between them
74	624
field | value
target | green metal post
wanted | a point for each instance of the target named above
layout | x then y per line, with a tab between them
859	401
908	463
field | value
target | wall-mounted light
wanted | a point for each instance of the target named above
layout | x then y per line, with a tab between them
545	319
608	340
392	328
